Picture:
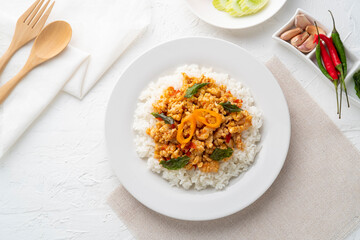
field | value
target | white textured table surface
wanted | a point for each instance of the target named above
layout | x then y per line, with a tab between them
54	183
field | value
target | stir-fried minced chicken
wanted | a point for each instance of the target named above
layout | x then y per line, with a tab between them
205	139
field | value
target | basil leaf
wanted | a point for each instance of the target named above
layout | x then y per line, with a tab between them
356	78
191	91
175	163
230	107
167	120
219	154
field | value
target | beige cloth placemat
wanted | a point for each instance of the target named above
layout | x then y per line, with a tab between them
316	195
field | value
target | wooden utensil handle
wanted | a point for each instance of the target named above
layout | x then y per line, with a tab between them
7	88
6	57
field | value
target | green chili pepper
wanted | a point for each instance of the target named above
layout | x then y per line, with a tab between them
341	51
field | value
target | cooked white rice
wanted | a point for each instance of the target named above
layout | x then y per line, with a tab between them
240	160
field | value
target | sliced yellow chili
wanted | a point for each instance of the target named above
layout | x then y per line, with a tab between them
198	113
180	137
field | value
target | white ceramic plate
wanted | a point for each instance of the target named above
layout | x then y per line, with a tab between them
156	193
205	10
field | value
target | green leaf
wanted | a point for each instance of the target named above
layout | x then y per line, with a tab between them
191	91
219	154
167	120
356	78
230	107
175	163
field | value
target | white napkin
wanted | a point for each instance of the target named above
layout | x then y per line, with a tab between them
102	30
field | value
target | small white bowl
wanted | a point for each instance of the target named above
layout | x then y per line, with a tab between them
353	63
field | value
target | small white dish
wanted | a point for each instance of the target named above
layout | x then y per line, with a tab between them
156	193
352	61
205	10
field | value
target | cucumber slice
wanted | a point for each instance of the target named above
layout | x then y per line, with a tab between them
252	6
220	4
234	9
238	8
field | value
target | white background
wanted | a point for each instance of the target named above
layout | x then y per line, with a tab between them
55	181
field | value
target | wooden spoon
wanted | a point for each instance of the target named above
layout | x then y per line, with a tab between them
51	41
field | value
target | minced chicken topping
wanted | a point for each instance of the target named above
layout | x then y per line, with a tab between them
198	125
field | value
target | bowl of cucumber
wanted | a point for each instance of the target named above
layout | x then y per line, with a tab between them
235	14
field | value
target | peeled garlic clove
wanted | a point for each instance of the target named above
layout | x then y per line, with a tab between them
299	39
311	29
290	34
308	45
301	21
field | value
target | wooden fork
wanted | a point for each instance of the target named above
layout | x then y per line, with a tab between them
27	28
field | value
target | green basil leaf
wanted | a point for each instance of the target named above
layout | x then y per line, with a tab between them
175	163
191	91
230	107
219	154
356	78
167	120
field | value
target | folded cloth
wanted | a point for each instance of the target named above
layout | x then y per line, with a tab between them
316	195
102	30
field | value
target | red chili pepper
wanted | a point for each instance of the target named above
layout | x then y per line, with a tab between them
332	50
175	92
160	119
192	145
236	101
329	65
173	125
228	138
188	153
316	38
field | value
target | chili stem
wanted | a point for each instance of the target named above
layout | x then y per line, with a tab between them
342	81
347	98
337	96
341	90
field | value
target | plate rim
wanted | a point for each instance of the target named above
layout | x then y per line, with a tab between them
269	183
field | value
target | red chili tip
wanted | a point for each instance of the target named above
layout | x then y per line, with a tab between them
316	38
228	138
192	145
